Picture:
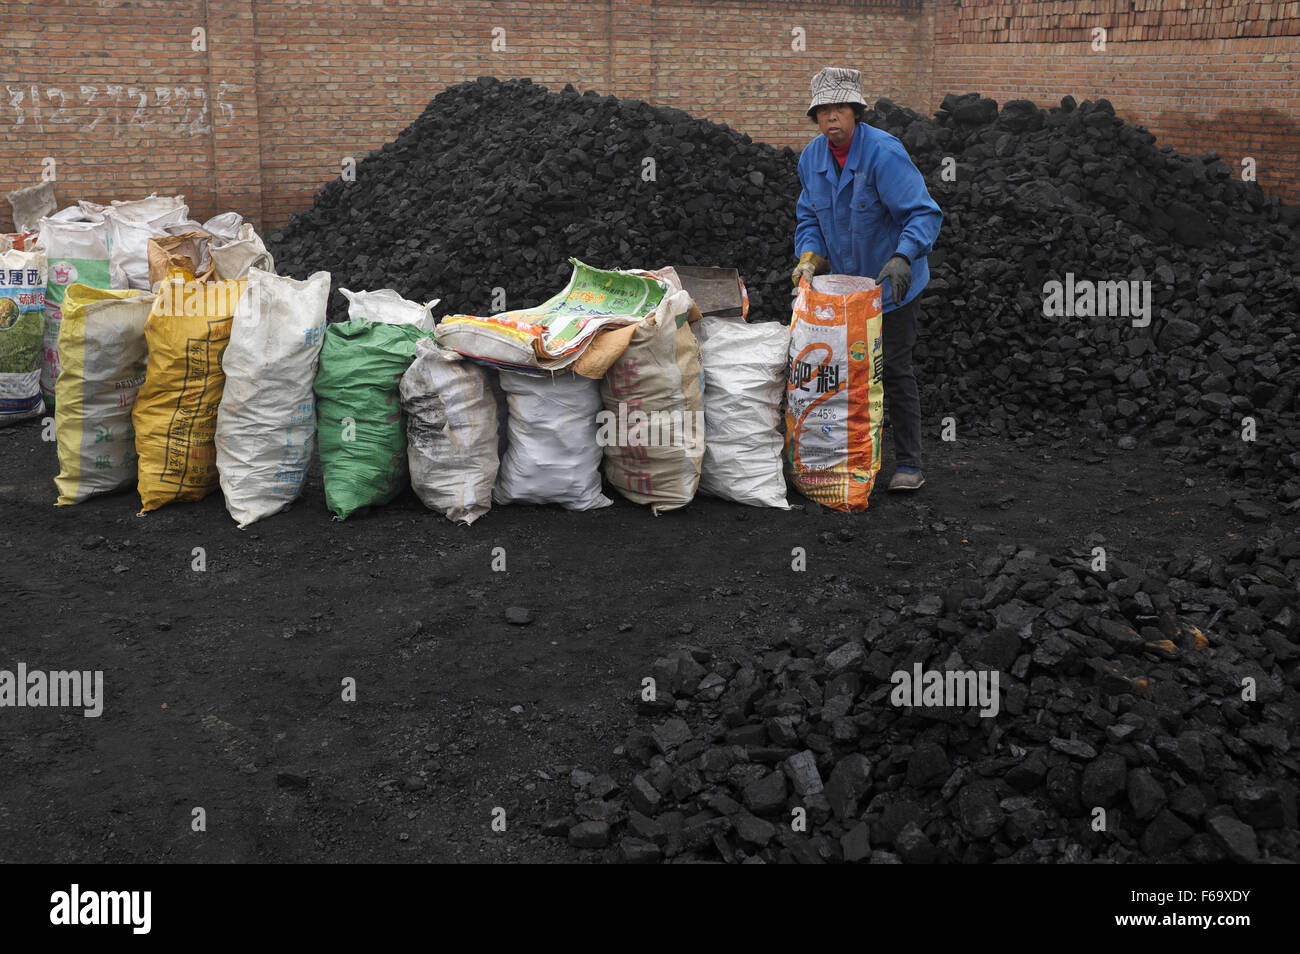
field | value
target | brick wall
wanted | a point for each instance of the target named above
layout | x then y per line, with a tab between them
345	80
115	93
1201	75
110	92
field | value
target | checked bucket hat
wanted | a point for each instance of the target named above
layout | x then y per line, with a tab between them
836	85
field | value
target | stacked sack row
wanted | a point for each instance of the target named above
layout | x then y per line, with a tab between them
672	401
177	361
154	339
396	404
96	246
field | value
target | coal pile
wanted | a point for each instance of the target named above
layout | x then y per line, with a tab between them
1074	190
1123	704
497	184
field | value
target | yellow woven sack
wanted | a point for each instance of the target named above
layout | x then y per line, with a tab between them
176	411
103	355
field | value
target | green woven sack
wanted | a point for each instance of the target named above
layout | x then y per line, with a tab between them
361	431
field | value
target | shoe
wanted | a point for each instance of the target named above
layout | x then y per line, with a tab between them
907	478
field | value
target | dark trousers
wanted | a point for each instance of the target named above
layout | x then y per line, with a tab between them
902	398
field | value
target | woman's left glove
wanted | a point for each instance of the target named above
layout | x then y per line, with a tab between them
899	272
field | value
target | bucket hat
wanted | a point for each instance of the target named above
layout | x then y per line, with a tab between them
836	85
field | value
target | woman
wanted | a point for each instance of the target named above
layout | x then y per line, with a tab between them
865	210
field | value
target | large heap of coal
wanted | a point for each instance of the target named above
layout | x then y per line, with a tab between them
1146	714
1074	190
496	184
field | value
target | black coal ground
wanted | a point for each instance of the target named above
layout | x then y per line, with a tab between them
222	688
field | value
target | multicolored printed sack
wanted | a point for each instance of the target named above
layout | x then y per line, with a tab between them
553	335
834	391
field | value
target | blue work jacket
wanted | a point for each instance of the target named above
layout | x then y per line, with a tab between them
876	207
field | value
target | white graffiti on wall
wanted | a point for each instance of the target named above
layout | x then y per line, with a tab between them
154	110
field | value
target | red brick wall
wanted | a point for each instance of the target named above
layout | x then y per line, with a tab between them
344	78
1201	75
113	91
110	91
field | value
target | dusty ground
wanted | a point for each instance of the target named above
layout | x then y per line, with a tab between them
223	687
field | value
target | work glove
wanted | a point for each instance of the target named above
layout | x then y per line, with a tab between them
899	272
810	264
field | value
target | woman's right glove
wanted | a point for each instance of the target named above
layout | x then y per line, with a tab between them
810	264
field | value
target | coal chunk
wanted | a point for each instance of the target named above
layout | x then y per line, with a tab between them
928	767
671	733
978	809
856	843
589	834
635	851
1104	780
802	771
1145	794
849	781
1165	833
914	847
518	615
766	796
1237	838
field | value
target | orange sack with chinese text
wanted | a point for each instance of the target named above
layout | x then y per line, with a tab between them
834	391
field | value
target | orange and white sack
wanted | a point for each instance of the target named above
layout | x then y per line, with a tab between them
835	391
